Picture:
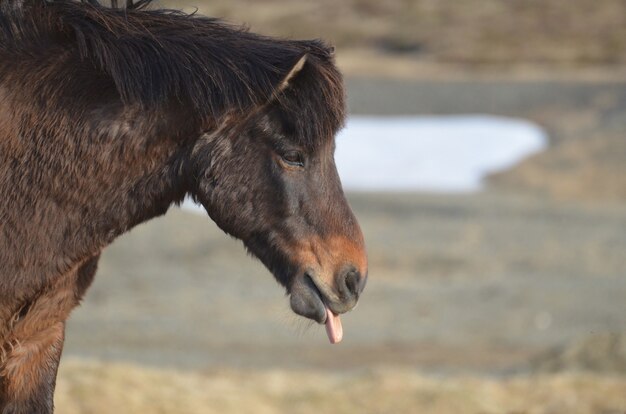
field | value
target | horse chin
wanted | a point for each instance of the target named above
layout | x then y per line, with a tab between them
306	299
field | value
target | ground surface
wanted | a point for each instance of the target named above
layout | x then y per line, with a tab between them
458	283
87	387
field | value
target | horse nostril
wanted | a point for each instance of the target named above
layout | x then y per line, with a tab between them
352	280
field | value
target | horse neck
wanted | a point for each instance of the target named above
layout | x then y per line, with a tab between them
74	183
133	170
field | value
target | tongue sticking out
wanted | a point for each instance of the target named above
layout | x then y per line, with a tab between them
333	327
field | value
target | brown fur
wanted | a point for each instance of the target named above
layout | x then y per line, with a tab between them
110	116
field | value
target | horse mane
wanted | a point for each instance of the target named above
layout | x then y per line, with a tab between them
156	57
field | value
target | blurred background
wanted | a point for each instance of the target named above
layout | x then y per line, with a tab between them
485	158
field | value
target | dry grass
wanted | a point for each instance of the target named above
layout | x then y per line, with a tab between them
92	387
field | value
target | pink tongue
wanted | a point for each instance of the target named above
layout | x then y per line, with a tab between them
333	327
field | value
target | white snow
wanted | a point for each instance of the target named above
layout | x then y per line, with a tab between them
443	153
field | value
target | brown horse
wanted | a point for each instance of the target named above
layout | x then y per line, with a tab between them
109	115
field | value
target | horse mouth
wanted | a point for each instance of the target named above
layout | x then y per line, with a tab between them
334	329
307	300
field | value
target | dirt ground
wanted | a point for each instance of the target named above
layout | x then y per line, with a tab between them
457	283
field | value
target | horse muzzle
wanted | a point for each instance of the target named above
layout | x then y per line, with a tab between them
315	299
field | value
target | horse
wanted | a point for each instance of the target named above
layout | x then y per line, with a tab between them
111	114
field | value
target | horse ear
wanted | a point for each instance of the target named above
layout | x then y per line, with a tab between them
297	68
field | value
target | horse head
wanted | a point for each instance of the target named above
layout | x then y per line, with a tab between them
271	181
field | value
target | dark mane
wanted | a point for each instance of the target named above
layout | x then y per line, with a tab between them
157	57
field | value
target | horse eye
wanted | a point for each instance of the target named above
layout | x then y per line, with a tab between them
294	158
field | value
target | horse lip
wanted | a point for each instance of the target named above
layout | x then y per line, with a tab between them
306	300
318	292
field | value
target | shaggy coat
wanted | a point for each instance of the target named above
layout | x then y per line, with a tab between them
109	115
